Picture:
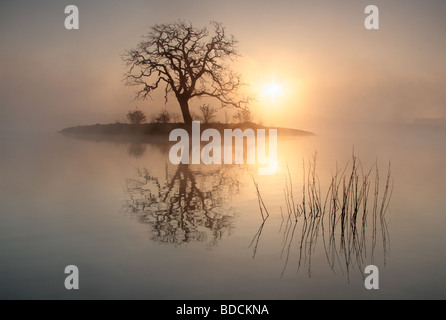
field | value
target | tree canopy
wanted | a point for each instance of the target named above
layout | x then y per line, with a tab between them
188	63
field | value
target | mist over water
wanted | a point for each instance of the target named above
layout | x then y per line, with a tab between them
140	227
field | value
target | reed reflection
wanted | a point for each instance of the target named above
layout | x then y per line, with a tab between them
349	217
186	205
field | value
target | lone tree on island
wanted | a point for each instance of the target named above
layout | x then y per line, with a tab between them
188	62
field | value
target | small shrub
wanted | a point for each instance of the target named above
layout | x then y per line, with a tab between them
208	113
136	116
243	115
162	117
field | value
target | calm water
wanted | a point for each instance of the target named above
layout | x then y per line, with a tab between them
139	227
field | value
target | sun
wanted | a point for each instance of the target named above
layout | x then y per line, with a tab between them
272	90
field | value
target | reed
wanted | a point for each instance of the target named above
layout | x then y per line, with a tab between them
341	215
265	215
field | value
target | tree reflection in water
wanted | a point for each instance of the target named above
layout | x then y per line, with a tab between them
136	149
184	206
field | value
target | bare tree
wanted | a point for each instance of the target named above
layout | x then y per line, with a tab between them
187	62
243	116
208	113
185	205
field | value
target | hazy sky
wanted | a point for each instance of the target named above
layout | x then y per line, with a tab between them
330	67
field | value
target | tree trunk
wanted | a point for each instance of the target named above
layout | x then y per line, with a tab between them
184	104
